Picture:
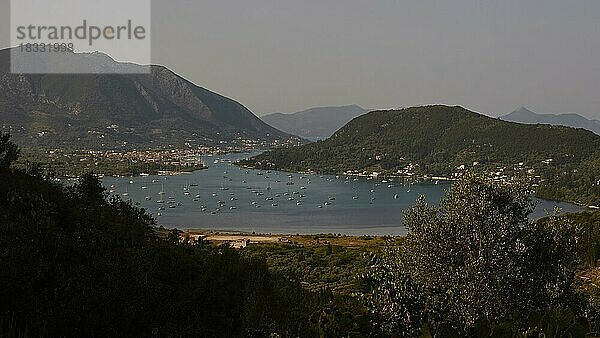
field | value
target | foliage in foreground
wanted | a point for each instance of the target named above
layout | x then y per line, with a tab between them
75	264
476	265
331	267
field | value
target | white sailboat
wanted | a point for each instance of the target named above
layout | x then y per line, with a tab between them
161	193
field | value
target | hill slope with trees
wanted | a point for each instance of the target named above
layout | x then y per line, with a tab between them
562	163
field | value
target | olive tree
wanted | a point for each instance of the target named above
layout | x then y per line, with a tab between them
476	256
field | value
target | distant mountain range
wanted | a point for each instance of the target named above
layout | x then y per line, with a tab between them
314	123
524	115
443	141
114	110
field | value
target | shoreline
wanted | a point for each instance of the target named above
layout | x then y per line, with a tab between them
239	239
416	179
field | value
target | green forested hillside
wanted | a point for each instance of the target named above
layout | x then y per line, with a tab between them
440	140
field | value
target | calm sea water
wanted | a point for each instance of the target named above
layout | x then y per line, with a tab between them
226	197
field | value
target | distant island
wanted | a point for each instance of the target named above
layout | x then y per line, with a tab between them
315	123
524	115
443	142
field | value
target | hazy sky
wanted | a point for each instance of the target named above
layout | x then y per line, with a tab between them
490	56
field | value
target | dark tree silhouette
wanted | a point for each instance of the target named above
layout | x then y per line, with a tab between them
9	152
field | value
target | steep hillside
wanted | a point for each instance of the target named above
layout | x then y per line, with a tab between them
108	110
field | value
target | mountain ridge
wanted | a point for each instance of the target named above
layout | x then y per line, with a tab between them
316	122
109	110
524	115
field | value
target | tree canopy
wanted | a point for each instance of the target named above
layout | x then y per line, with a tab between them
9	152
476	259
